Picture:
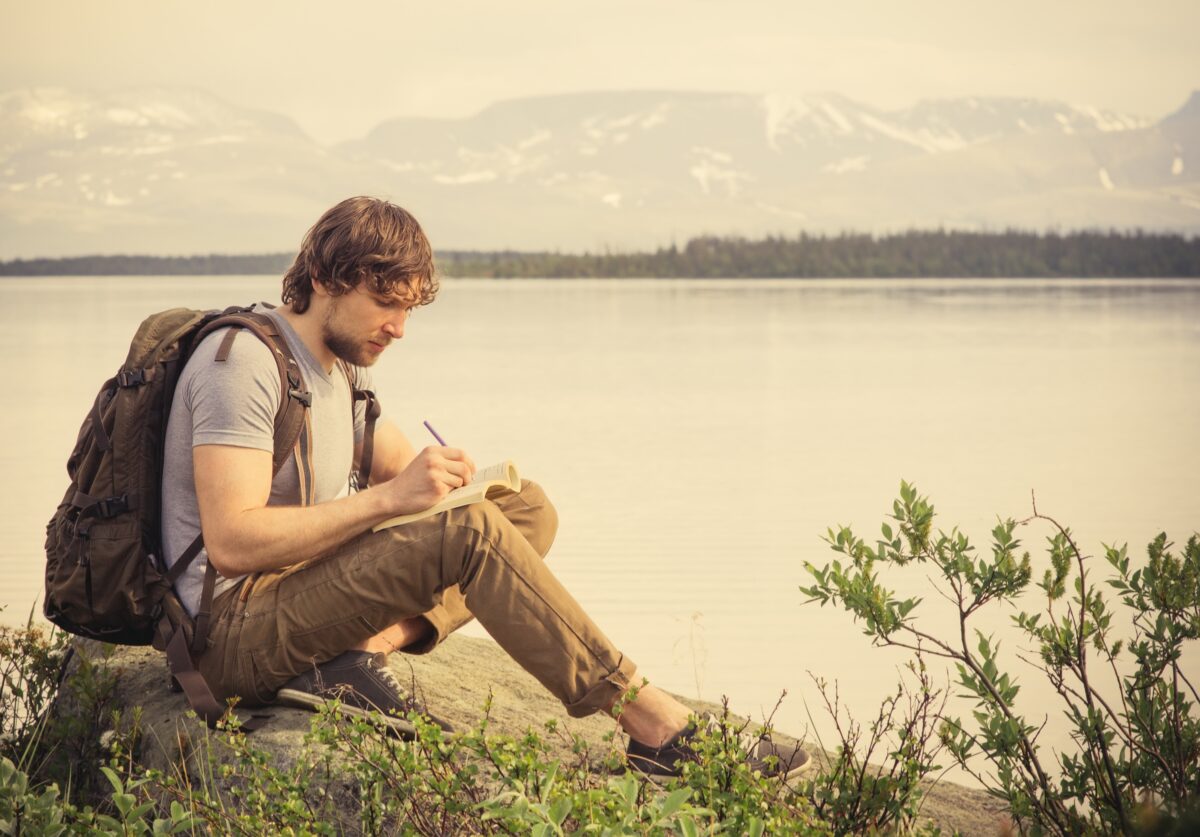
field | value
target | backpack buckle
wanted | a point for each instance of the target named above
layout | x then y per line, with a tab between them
112	506
303	397
131	377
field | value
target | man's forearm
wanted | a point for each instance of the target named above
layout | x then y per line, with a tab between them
273	537
244	534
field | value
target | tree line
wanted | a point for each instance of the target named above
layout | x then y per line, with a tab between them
939	253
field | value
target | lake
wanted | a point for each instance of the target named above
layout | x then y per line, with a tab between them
698	437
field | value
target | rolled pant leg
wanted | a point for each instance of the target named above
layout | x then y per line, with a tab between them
279	624
531	511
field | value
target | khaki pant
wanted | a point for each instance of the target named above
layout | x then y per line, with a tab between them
484	560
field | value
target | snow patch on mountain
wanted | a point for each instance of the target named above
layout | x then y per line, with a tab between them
837	120
601	129
781	112
1108	122
847	164
714	167
656	117
709	174
712	154
927	140
536	139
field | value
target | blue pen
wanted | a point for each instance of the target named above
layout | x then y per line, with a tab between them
440	440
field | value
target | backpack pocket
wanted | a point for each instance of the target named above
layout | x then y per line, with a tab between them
99	583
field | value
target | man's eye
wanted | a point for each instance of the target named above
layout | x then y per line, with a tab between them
394	304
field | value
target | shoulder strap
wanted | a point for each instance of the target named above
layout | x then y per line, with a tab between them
195	687
295	399
372	411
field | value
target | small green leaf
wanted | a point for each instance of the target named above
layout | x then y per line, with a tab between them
560	810
674	801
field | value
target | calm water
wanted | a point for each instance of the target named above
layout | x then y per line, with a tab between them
699	437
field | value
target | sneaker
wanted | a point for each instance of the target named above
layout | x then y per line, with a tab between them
365	686
771	758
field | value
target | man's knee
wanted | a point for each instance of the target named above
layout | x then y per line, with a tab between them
542	523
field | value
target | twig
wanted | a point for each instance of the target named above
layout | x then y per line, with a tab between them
1081	652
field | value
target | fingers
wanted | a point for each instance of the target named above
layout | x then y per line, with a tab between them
449	467
454	461
457	473
429	477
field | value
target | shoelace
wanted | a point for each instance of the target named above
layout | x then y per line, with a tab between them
388	676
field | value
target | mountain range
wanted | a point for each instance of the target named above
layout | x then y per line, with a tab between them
178	171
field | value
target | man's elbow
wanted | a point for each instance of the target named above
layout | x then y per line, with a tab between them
224	560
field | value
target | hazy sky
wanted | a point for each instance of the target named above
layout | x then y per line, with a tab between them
339	69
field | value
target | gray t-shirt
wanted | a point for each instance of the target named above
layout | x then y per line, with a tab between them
234	403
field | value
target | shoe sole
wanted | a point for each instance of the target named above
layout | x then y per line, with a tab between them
304	700
800	769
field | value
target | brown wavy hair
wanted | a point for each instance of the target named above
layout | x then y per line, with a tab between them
362	239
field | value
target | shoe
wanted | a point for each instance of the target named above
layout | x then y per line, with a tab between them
364	685
771	758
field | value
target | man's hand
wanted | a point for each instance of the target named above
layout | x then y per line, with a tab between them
434	473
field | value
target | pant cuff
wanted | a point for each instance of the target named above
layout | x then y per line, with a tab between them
438	629
605	693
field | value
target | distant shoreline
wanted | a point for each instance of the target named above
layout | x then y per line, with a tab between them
910	255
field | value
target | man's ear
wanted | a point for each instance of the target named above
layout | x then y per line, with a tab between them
318	287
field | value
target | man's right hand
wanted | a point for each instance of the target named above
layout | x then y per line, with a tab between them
433	473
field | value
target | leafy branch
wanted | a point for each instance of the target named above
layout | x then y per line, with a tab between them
1139	756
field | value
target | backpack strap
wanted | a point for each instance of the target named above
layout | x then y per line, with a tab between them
372	411
291	418
199	696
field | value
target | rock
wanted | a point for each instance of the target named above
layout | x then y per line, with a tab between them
455	681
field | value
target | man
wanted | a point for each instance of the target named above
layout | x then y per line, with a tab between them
310	599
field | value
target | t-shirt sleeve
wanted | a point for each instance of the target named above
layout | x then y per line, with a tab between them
233	402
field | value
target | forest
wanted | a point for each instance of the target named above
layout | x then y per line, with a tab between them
934	253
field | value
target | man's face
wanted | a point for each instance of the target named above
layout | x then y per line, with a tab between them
359	324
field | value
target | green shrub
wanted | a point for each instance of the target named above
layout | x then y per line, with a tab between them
1136	758
480	783
348	776
31	661
875	781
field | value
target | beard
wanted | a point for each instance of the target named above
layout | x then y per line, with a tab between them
346	345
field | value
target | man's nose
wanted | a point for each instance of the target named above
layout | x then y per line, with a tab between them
394	327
